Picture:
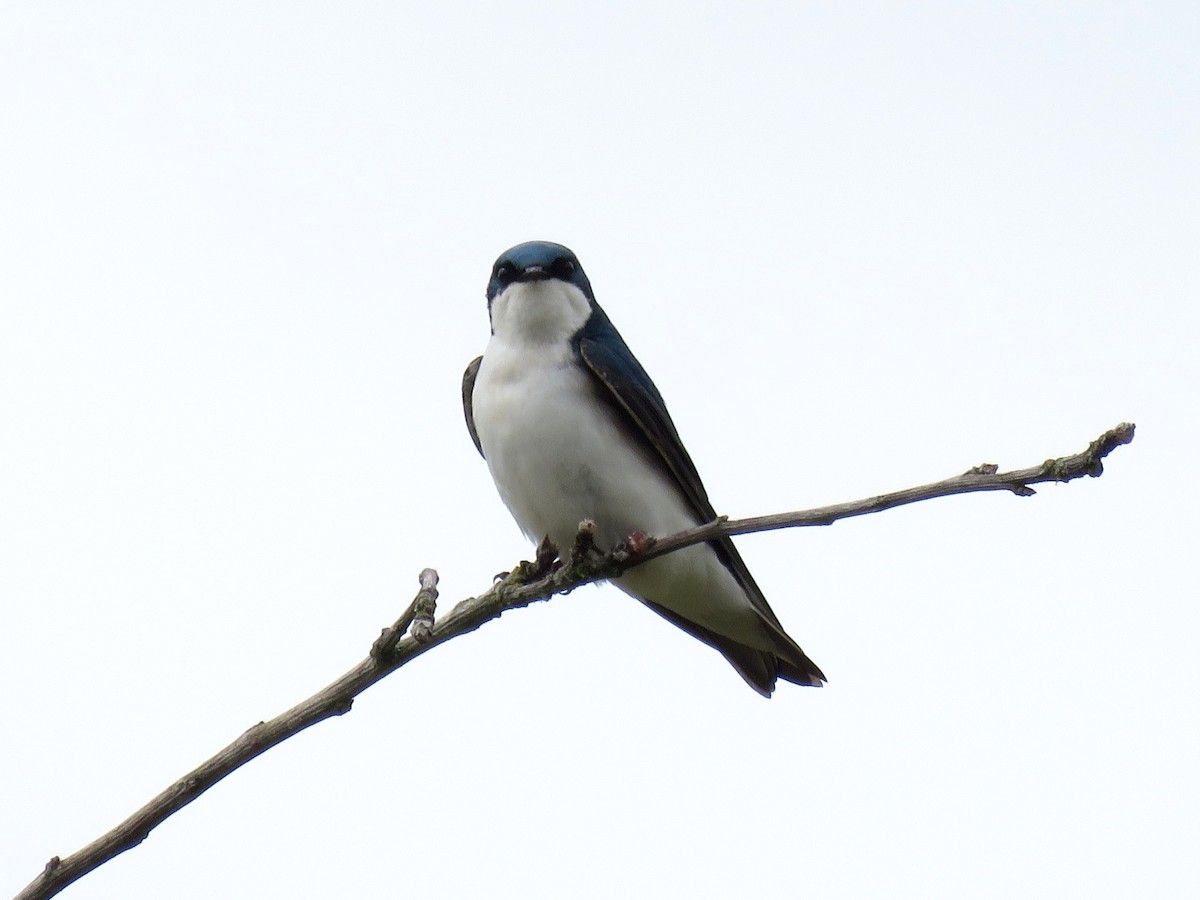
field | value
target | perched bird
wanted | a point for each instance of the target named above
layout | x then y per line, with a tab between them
572	428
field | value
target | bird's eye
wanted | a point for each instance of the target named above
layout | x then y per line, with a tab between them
563	267
503	273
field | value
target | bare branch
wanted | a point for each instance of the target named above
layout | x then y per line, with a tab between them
983	477
526	584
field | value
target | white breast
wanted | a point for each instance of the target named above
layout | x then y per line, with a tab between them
558	456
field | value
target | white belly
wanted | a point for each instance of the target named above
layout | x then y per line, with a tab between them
558	456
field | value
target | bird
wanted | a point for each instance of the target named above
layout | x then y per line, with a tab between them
572	428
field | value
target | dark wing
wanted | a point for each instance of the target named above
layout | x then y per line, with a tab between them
468	389
613	364
629	385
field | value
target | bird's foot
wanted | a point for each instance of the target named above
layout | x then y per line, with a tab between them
544	562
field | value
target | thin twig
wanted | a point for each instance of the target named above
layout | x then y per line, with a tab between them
527	584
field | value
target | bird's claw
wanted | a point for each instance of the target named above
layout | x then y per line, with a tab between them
545	562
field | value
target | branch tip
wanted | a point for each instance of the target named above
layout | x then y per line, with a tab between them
425	606
585	541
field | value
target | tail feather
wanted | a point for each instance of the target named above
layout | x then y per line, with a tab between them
760	668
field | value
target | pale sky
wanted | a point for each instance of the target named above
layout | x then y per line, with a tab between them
243	253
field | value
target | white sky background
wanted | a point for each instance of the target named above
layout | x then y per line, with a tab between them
243	253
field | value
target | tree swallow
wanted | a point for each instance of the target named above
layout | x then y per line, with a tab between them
572	428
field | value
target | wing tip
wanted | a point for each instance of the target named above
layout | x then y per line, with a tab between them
776	669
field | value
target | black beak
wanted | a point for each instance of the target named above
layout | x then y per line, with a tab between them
534	273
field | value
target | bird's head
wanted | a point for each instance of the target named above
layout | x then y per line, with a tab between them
539	292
